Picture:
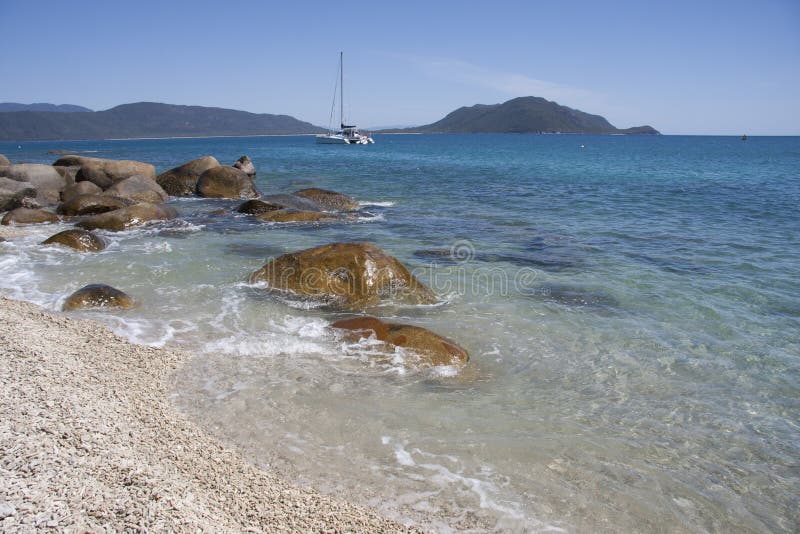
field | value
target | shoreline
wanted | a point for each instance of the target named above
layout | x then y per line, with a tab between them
90	441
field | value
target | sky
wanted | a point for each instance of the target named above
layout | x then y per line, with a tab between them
683	67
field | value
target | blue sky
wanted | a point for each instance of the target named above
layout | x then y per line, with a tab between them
683	67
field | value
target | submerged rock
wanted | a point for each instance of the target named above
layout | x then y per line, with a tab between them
292	201
329	199
182	180
432	348
105	172
91	205
81	240
138	189
226	182
78	189
28	216
346	276
245	165
98	296
255	206
128	217
287	215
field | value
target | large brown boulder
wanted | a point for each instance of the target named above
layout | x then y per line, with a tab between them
226	182
4	161
138	189
28	216
287	215
125	218
91	205
78	239
345	276
429	347
105	172
330	200
245	165
81	188
98	296
256	206
14	193
44	178
182	180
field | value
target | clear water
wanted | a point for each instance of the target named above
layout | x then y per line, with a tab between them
631	306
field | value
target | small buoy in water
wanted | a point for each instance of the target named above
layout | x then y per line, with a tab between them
19	146
583	146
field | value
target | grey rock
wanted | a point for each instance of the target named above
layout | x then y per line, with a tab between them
138	189
13	192
245	164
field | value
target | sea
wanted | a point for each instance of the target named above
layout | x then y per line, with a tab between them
631	306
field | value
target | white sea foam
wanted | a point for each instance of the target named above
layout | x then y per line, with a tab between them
379	203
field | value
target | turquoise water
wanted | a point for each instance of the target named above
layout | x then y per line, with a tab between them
631	306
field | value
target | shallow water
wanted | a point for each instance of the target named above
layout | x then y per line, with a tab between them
632	310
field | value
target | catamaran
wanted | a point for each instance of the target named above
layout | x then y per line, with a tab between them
348	134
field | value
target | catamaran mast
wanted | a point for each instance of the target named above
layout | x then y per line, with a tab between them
341	90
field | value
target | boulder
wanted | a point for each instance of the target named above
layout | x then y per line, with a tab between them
81	188
245	165
4	161
105	172
226	182
91	205
330	200
44	178
255	206
12	193
98	296
182	180
78	239
287	215
138	189
128	217
345	276
28	216
431	348
292	201
68	173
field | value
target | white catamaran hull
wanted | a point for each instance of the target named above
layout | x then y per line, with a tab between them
341	140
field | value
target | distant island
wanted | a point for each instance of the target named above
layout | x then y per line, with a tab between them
144	119
44	122
527	114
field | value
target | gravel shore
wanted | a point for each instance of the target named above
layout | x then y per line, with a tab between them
89	442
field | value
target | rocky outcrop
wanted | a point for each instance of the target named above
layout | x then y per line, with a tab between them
105	172
255	207
182	180
430	348
28	216
226	182
345	276
287	215
98	296
91	205
81	240
44	178
129	217
138	189
4	161
292	201
330	200
245	165
78	189
12	193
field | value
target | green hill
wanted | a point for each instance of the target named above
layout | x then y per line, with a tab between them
145	119
529	114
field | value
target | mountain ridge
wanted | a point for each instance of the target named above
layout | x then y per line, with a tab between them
527	114
41	106
146	119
